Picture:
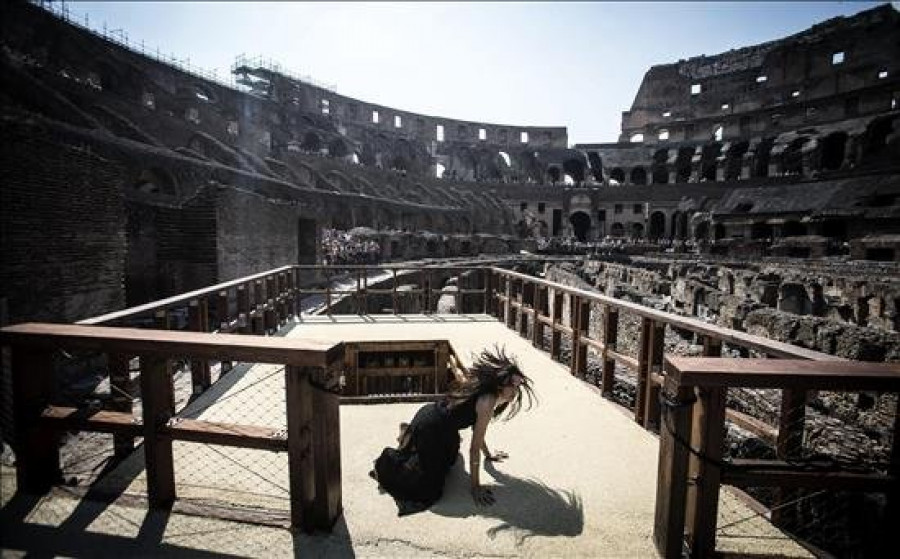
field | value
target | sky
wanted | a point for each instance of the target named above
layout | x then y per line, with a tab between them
573	64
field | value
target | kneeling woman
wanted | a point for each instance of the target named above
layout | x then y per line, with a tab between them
414	473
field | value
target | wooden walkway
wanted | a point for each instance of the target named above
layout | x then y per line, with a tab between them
580	480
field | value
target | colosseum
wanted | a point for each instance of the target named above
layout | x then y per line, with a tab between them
751	195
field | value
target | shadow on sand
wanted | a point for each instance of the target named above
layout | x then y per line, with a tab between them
525	507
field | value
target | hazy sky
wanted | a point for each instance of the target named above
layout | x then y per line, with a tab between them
543	64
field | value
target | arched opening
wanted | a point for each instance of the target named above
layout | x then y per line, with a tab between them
876	135
657	225
311	142
834	229
834	148
637	230
683	164
581	225
439	170
638	176
617	175
660	169
574	167
792	158
617	230
679	225
507	162
709	161
762	156
735	160
760	231
596	163
554	173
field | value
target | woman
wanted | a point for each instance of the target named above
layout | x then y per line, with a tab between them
414	473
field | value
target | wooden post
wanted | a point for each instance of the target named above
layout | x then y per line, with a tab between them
610	334
37	448
394	302
789	446
671	485
540	307
326	442
243	307
442	356
157	400
488	291
301	474
459	293
314	459
162	321
556	338
224	319
703	502
656	348
121	399
579	348
643	377
198	321
508	310
522	315
274	318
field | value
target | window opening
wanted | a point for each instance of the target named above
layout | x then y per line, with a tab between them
696	88
482	134
375	117
637	138
663	135
837	58
439	132
762	79
523	137
398	122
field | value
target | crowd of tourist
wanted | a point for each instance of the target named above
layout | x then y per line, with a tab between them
571	245
345	247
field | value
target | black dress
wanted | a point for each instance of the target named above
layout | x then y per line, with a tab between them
415	473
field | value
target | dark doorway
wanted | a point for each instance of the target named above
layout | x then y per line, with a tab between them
581	225
557	222
307	241
141	266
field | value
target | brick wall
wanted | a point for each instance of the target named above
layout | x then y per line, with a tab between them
254	233
62	236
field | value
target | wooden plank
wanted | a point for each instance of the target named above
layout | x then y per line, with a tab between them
671	486
36	447
747	472
541	304
223	317
788	446
786	373
251	349
756	426
301	473
94	420
397	345
157	398
580	347
226	434
610	334
703	510
592	343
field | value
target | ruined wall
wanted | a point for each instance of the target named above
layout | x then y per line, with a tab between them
62	259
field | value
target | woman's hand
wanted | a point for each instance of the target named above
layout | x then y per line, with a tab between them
482	496
498	456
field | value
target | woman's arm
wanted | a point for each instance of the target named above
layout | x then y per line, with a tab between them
484	408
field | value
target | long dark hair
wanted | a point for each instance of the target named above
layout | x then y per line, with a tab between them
493	369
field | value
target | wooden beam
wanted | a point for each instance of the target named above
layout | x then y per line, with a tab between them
64	418
785	373
301	474
703	509
157	397
251	349
226	434
610	335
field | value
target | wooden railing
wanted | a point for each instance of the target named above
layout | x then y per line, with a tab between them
312	438
691	464
522	300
